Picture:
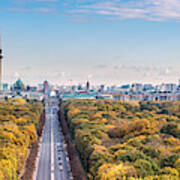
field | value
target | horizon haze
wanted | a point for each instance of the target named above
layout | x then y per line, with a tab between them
106	42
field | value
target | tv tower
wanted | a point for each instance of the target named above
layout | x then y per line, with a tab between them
1	57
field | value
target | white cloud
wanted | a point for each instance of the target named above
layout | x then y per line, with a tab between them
45	10
16	75
153	10
46	0
34	10
159	10
89	76
30	1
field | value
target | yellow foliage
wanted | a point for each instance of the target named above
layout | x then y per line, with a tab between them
31	131
17	132
169	171
164	151
8	170
175	149
120	152
99	148
177	164
172	141
111	136
1	174
104	120
98	115
73	112
143	126
110	126
18	101
113	171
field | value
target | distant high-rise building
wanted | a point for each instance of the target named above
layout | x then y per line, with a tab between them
1	56
45	87
5	87
40	87
101	89
136	87
87	86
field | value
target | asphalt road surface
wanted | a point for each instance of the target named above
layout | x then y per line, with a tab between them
52	160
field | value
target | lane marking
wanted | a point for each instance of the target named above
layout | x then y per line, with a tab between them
39	155
52	149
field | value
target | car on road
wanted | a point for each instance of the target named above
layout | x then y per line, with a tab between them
58	145
60	167
69	171
67	158
60	150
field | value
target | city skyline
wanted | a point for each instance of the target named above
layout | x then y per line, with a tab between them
107	42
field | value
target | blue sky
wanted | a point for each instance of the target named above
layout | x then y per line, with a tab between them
105	41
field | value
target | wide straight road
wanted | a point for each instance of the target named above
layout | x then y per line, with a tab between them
52	160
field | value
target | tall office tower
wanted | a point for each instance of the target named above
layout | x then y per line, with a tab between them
1	56
87	86
45	87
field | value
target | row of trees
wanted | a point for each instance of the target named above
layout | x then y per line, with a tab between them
118	140
18	131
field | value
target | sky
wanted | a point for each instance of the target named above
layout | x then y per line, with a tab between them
103	41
